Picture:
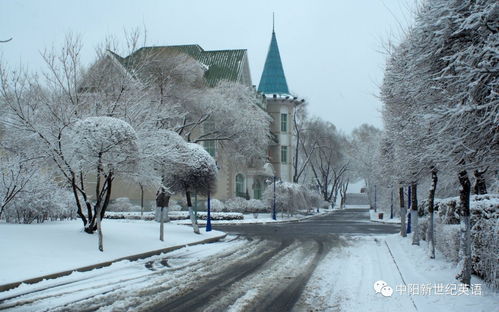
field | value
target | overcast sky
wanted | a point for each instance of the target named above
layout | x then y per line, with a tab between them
331	50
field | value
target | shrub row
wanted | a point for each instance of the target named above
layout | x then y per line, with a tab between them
484	232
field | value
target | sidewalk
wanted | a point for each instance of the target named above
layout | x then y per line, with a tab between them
33	252
345	280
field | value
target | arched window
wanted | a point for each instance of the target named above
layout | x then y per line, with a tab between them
240	190
257	190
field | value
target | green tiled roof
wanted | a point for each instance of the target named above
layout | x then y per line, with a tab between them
221	65
273	80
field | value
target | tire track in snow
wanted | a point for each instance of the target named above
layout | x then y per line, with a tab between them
67	293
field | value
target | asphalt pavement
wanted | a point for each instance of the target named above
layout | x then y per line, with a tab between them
264	267
279	267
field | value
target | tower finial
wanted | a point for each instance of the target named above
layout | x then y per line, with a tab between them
273	21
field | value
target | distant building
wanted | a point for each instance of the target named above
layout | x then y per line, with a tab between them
233	179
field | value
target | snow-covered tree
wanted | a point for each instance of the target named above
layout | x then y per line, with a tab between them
105	147
184	167
440	95
15	174
362	150
195	172
325	147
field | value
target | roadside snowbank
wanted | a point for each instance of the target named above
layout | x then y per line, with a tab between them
33	250
263	218
386	217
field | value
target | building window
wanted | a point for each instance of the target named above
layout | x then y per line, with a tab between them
284	122
257	190
284	154
240	191
210	147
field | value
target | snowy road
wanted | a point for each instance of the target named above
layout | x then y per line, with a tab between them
257	268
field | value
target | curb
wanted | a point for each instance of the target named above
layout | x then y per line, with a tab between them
135	257
384	222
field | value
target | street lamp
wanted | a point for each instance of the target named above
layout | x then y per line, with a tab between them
391	202
409	210
270	169
208	217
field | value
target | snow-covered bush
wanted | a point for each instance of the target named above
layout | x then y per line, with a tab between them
485	237
447	240
216	205
41	200
236	204
133	215
175	207
122	204
239	204
291	197
484	233
256	206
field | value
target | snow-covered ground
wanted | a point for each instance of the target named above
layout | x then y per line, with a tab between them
30	251
124	283
344	281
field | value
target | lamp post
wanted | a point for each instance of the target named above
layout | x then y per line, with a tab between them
375	198
391	203
273	204
208	217
409	210
269	169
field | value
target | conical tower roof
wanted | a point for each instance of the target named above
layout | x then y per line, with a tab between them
273	80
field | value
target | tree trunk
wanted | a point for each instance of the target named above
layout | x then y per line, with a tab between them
141	200
403	213
414	214
101	209
195	226
99	231
465	251
480	186
107	198
79	210
431	201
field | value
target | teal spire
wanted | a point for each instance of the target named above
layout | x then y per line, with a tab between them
273	80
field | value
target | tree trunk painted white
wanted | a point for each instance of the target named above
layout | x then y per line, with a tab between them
465	249
99	231
414	214
403	213
195	226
